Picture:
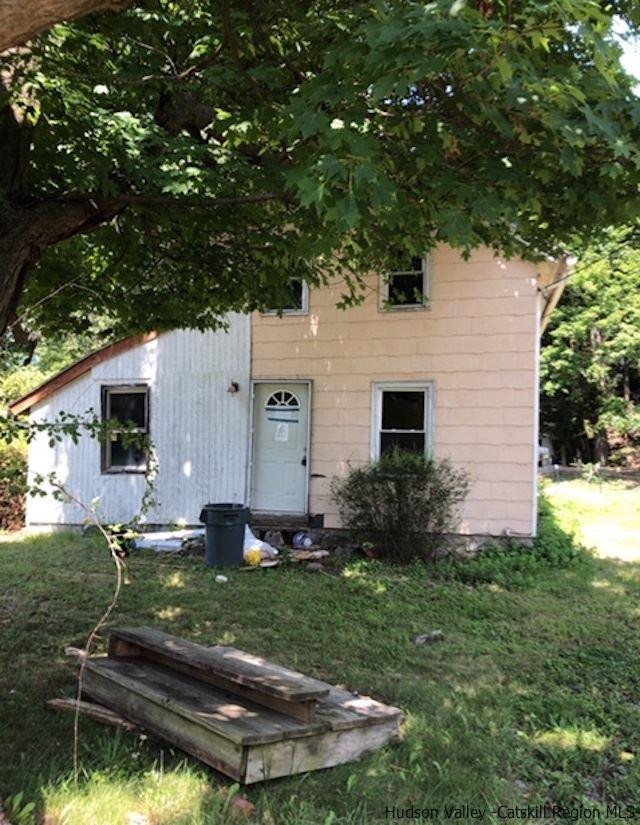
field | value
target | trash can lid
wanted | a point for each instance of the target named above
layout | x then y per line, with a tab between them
224	506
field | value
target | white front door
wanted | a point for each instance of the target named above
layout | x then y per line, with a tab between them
280	434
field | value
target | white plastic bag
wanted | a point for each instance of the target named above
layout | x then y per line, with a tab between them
251	543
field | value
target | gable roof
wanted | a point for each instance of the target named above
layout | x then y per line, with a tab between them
81	367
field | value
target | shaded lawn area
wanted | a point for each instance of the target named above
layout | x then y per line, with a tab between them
533	696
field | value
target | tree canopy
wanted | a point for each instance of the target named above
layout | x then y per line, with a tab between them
591	356
166	164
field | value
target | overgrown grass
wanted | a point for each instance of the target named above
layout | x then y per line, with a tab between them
532	696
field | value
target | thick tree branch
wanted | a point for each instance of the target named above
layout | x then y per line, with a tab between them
20	20
166	200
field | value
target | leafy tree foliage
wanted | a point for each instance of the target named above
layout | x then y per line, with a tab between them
177	160
591	356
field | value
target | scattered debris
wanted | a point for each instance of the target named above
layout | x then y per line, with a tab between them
137	819
167	541
221	579
343	551
97	712
308	555
76	652
241	806
525	788
428	638
193	546
301	540
274	538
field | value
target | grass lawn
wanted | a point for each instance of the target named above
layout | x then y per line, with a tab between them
605	516
533	696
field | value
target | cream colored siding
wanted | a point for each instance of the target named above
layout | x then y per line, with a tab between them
200	431
476	343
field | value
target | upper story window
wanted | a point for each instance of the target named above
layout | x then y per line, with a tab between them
128	405
297	302
407	287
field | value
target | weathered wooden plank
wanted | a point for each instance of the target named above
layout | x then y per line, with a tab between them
303	711
343	710
194	738
96	712
239	667
243	723
324	750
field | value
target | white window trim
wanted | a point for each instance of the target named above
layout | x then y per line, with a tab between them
283	311
123	389
385	306
428	387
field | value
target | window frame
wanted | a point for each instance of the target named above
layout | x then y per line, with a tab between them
106	390
282	311
378	390
385	282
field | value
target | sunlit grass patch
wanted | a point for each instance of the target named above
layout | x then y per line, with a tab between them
605	515
178	797
568	738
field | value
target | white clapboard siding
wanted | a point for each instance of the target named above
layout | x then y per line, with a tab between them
199	430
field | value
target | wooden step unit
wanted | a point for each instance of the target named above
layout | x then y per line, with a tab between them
247	717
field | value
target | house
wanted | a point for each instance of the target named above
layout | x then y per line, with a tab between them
441	356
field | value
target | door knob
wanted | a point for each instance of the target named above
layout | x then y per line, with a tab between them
304	462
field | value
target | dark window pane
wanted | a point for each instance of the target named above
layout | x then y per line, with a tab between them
409	442
295	291
128	407
403	410
406	289
130	456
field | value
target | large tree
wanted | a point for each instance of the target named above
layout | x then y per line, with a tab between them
591	356
176	160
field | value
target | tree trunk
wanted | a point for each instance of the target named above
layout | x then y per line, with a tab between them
601	448
27	232
21	20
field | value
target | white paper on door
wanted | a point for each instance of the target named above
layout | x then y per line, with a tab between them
281	432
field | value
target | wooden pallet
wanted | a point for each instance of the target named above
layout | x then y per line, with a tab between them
249	718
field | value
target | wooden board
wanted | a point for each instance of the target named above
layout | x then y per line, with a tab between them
343	710
235	665
303	710
324	750
241	722
200	741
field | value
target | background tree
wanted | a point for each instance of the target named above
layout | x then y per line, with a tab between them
164	165
591	357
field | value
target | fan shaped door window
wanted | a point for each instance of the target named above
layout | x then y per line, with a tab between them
280	446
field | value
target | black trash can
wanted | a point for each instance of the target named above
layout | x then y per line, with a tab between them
224	528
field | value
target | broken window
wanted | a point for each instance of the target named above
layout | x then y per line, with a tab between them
122	452
407	287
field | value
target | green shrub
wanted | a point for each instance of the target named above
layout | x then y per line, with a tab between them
13	479
401	505
511	563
